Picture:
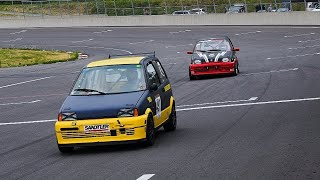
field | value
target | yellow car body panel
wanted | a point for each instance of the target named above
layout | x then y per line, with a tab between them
165	114
134	130
72	132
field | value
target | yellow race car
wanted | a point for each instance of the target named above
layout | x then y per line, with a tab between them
115	101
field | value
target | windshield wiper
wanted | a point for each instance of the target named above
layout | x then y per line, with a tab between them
91	90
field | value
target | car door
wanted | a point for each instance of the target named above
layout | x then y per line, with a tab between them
165	88
156	95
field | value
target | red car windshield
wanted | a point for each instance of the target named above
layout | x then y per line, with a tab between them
213	45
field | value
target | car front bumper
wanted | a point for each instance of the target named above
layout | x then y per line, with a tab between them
125	129
213	68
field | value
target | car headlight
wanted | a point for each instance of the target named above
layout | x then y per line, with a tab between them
128	112
225	60
197	62
70	116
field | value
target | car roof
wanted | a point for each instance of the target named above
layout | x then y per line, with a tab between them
116	61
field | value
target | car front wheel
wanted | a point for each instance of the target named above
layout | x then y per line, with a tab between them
191	77
236	69
150	132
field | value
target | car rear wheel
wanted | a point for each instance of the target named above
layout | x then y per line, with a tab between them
171	125
65	149
150	132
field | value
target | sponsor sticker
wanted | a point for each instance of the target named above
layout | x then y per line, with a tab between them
158	106
96	128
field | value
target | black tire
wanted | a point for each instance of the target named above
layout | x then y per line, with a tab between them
65	149
236	70
191	77
150	132
171	125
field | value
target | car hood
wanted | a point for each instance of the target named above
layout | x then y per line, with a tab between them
215	56
100	106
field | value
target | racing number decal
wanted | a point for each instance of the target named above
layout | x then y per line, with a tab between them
158	105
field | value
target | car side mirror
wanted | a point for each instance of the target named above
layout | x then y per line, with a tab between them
154	87
236	49
189	52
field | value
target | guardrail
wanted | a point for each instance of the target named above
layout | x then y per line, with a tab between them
287	18
41	8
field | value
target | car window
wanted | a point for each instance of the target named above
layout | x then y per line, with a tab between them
152	74
110	79
213	44
163	76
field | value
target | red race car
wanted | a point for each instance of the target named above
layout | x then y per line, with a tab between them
213	56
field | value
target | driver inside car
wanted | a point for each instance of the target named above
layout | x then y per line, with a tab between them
133	81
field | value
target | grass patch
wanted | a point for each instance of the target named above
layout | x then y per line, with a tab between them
28	57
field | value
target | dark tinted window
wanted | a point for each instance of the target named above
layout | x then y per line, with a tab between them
152	74
162	75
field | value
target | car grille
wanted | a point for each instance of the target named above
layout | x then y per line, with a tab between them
130	131
77	134
208	68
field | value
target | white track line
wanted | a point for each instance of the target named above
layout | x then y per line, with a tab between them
282	70
298	35
145	177
299	55
99	32
87	40
177	32
24	82
13	40
223	102
19	32
304	47
179	46
254	32
169	64
193	108
31	102
142	42
309	40
250	104
47	95
27	122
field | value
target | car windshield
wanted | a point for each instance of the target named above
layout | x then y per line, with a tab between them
110	79
213	45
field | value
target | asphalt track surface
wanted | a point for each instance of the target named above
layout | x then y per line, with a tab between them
262	124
